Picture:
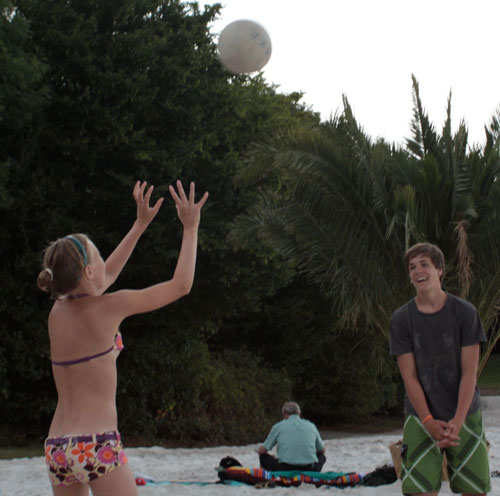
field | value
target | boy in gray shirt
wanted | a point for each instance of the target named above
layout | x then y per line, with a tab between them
436	338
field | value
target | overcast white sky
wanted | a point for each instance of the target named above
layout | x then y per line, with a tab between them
368	49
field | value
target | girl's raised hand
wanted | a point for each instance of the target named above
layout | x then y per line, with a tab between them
145	213
187	210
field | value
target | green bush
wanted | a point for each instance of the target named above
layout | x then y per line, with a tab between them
244	397
353	378
182	395
337	374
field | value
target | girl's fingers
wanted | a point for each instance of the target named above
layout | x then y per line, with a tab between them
139	191
173	193
136	189
191	192
181	191
157	206
203	200
179	196
148	194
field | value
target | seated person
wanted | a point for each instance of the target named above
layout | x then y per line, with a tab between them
299	444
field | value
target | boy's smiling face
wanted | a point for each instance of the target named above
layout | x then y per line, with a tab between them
423	274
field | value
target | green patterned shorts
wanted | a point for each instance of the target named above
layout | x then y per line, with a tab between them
421	460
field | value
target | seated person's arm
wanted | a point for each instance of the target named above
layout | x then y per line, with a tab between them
270	442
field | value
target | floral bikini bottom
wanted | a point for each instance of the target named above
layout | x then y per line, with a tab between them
72	459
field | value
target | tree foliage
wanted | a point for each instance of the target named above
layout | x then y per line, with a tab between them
117	91
344	209
95	95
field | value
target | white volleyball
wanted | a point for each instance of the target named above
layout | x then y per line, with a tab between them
244	47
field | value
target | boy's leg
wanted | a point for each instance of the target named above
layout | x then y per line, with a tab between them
468	466
434	493
421	459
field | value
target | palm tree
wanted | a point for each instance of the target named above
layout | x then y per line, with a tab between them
325	205
343	209
452	197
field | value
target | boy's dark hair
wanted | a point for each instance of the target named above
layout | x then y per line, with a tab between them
428	249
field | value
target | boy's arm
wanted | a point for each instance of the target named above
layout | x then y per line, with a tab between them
469	359
408	369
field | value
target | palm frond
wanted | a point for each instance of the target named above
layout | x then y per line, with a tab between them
341	209
424	139
493	132
464	258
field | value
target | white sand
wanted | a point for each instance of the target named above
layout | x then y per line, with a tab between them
356	453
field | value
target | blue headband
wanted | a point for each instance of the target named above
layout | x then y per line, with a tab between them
80	248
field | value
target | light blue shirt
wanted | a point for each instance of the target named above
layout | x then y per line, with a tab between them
298	441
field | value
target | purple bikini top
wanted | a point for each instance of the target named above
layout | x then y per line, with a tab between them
117	345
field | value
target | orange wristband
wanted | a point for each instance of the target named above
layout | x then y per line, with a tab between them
426	419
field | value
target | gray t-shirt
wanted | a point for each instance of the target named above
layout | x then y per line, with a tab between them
436	340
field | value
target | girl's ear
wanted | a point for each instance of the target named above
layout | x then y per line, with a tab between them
87	271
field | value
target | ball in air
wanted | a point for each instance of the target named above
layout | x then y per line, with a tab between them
244	47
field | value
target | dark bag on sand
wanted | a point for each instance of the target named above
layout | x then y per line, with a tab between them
380	476
229	461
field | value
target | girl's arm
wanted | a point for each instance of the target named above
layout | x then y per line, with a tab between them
145	214
131	302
